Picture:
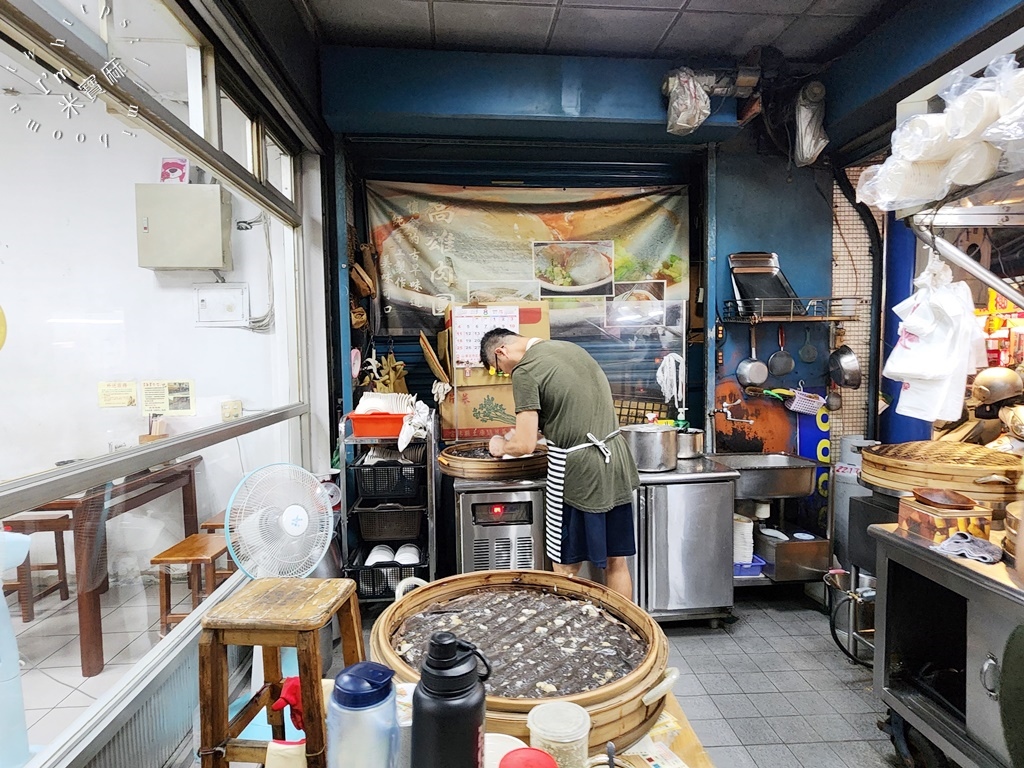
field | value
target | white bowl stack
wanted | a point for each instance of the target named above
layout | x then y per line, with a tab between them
742	539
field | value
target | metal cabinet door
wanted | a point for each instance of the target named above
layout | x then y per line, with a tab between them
989	624
689	546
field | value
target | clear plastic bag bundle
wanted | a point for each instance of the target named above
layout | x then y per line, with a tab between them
973	164
688	103
972	104
924	138
811	138
900	183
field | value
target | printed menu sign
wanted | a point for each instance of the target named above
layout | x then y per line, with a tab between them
169	398
117	394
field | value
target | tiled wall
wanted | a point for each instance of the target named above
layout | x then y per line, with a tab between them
851	276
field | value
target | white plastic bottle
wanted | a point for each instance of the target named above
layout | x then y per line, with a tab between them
362	718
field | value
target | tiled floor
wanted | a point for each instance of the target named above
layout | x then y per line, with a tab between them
771	690
54	690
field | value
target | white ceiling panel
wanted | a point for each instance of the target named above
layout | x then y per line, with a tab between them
810	35
730	34
607	31
375	22
485	26
765	7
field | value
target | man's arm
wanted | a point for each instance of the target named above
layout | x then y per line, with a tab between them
524	440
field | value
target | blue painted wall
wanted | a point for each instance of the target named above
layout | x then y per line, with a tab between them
763	204
456	93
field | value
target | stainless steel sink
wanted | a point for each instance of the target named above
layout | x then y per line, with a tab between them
770	475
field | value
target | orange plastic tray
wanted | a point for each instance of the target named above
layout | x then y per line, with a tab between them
376	424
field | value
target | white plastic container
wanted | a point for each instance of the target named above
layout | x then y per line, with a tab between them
362	718
562	729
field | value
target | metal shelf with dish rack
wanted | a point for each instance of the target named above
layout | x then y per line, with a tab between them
373	501
821	309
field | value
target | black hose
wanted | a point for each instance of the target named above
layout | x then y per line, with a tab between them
876	252
835	635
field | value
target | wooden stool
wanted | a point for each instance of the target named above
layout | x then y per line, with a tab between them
273	613
38	522
200	552
214	524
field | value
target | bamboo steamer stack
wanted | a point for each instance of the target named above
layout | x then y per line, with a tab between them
472	460
617	710
987	476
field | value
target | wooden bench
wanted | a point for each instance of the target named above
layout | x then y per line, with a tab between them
200	552
214	524
38	522
273	613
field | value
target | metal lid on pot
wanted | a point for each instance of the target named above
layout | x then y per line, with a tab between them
650	428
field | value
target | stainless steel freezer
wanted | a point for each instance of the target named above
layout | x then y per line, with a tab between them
685	542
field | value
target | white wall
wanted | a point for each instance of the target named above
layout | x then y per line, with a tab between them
79	311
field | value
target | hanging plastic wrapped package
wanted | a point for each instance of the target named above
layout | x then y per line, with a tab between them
923	138
902	184
688	103
972	105
974	164
867	187
811	138
1009	78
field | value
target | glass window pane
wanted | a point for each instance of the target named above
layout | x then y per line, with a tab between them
127	613
279	166
87	327
236	132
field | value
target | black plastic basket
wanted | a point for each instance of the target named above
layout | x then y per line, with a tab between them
388	521
374	582
388	479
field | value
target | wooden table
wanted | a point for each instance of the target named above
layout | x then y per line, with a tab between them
89	514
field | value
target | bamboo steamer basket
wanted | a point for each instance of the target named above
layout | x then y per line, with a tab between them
453	462
617	710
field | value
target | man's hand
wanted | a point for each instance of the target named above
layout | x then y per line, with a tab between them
497	446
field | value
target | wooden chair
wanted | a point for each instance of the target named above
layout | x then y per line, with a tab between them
273	613
200	552
213	525
38	522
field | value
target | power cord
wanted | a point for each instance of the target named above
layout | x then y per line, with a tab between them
263	323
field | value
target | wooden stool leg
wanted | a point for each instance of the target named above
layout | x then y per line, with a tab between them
272	676
165	599
350	624
308	647
213	699
26	597
197	585
209	578
62	564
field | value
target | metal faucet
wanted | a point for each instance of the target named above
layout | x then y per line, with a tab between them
726	409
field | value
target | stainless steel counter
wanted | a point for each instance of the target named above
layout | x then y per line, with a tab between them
701	470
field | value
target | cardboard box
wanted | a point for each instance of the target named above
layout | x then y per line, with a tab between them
533	321
476	413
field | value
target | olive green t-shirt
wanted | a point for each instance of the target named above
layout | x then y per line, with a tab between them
569	390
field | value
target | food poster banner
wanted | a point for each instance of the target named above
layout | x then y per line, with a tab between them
608	261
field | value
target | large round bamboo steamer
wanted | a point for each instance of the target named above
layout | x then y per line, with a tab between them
455	463
617	712
942	457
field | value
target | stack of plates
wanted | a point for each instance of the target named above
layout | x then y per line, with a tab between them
742	539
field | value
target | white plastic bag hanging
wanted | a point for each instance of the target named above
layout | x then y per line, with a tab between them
688	103
926	328
811	138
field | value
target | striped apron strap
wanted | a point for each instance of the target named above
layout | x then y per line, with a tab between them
555	487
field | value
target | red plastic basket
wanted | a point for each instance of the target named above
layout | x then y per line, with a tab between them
376	424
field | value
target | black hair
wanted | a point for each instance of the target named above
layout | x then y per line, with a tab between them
491	340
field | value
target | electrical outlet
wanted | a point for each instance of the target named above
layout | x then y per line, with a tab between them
230	410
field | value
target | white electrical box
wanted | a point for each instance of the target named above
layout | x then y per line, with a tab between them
222	305
183	226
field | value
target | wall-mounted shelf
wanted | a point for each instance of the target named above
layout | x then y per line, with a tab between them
795	310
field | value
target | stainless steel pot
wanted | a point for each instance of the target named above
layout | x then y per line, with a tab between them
653	446
689	443
844	368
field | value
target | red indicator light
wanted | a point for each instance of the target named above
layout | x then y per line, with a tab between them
498	510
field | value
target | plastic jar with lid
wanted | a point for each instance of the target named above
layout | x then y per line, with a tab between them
562	729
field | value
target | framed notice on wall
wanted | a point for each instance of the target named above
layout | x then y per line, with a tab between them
169	398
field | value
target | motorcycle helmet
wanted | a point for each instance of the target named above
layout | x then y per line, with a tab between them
993	385
1013	417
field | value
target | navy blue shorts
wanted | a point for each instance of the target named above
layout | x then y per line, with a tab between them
596	536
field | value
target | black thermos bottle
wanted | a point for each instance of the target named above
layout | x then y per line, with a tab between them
448	706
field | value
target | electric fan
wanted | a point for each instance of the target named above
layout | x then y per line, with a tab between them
279	522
